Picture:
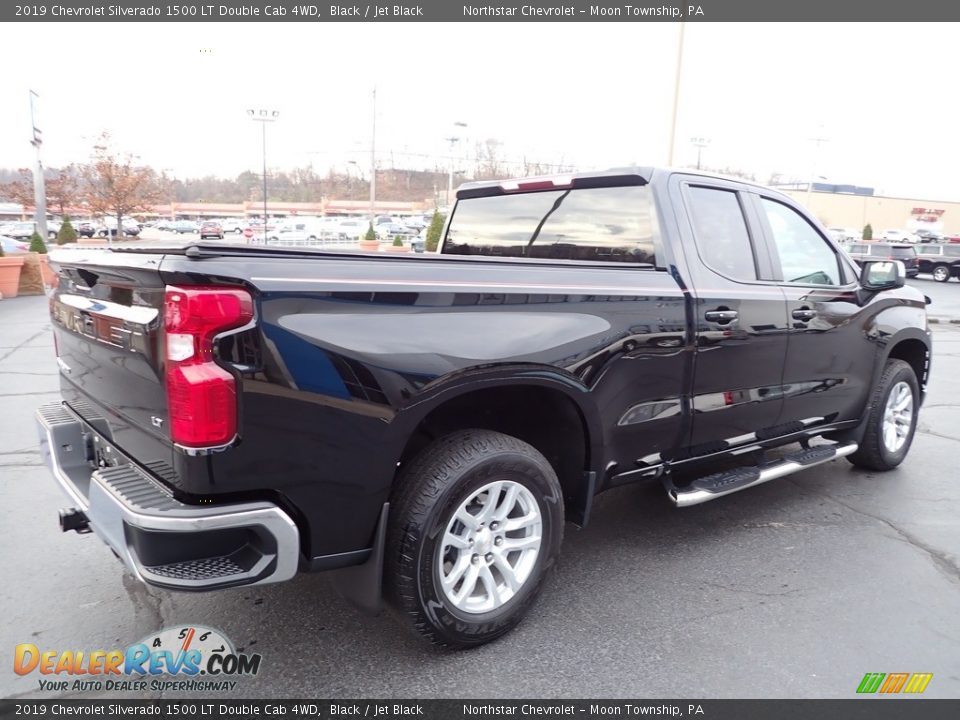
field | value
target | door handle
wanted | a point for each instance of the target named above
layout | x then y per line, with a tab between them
804	314
721	317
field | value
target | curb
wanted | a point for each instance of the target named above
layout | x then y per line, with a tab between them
943	321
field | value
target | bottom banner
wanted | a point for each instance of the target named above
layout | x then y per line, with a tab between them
865	709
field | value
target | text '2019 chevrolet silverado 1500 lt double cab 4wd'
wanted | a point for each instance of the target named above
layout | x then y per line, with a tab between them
423	427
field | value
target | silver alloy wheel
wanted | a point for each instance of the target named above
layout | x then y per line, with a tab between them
897	416
490	547
940	273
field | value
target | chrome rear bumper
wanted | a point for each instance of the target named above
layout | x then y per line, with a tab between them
163	541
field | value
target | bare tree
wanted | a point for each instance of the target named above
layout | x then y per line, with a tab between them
63	190
20	190
114	184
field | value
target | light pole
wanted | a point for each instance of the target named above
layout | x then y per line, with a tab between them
699	143
676	94
373	162
453	140
263	117
39	191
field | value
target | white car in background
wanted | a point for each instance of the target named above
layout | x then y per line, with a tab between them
901	236
234	225
843	234
352	229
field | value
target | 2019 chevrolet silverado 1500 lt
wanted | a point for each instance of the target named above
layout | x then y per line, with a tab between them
423	427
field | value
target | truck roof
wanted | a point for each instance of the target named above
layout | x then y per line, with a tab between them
630	175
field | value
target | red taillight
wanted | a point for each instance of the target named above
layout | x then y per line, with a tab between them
201	395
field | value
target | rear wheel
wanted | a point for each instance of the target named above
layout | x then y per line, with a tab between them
891	419
941	273
476	522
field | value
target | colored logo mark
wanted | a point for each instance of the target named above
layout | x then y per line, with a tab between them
893	683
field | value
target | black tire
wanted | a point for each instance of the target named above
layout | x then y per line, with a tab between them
941	273
873	453
426	496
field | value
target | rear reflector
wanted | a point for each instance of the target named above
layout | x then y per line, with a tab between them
201	395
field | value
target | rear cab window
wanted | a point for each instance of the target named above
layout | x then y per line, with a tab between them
599	224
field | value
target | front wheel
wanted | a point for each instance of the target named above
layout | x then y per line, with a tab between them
891	419
476	523
941	273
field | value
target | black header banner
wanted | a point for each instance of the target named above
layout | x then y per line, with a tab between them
469	11
212	709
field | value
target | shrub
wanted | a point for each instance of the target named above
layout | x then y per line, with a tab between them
397	241
434	230
67	232
867	232
36	243
370	235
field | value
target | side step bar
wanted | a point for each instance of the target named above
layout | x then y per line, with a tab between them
727	482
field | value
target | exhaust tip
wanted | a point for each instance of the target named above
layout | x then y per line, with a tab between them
74	519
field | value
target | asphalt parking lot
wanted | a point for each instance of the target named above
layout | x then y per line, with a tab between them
793	589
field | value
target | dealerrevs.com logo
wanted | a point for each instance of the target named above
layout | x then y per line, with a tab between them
199	658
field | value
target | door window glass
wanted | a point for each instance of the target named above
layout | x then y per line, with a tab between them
805	257
720	231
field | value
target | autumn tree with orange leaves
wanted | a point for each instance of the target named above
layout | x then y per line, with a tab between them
62	189
114	184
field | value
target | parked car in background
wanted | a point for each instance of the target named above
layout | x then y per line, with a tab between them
941	261
843	235
900	236
930	236
211	229
352	229
23	230
861	252
234	225
388	231
12	245
181	227
86	229
129	230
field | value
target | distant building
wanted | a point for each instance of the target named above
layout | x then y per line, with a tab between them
835	208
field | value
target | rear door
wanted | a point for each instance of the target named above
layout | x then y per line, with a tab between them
830	358
739	314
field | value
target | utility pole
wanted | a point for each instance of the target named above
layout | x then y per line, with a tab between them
817	141
699	143
39	189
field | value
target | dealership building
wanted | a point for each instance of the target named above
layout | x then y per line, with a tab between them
853	207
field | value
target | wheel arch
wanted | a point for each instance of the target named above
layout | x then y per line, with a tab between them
911	345
545	408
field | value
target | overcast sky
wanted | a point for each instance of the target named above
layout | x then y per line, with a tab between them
591	95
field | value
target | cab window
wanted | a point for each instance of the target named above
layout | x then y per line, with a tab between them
805	256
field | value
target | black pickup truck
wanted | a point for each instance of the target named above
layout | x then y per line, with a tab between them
424	426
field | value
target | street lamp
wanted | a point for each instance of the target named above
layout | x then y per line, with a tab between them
263	117
453	140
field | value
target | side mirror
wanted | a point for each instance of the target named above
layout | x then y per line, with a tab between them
882	275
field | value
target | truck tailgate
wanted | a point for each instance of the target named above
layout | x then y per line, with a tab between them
107	315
